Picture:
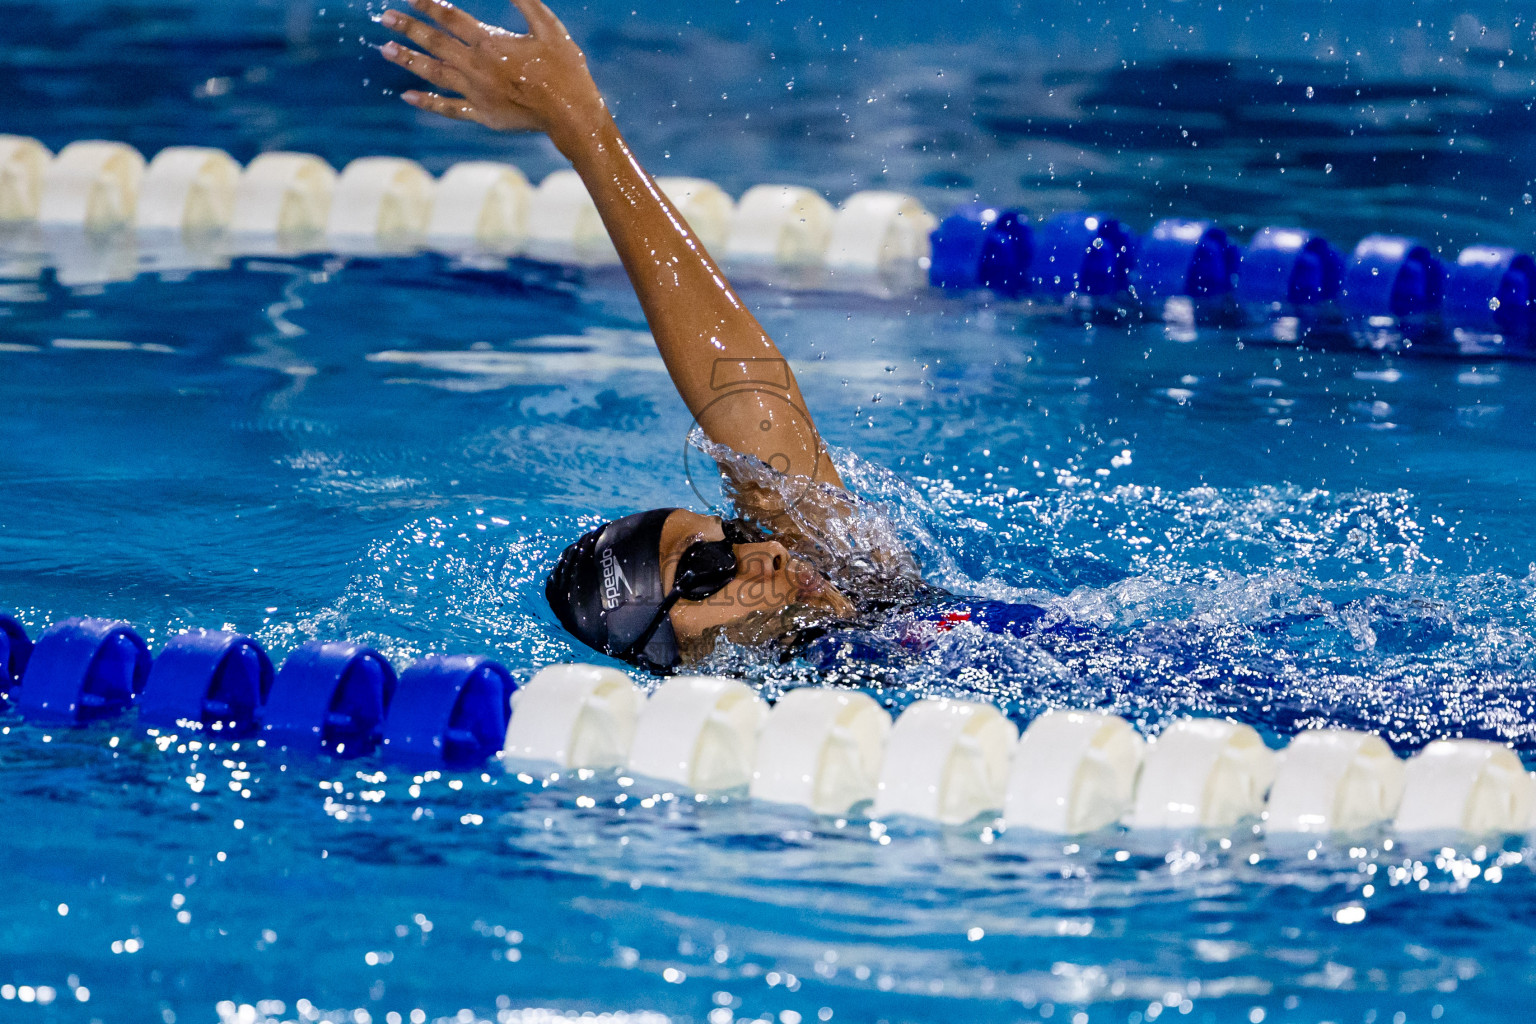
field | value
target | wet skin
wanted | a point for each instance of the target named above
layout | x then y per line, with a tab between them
538	81
773	591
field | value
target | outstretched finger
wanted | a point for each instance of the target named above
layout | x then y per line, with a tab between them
434	71
541	20
440	44
449	106
454	20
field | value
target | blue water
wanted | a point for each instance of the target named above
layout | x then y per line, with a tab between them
395	449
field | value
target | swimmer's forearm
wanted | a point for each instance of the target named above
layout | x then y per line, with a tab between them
695	315
730	373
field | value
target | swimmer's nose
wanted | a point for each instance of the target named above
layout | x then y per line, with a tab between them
768	558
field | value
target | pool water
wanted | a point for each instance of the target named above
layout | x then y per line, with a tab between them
395	449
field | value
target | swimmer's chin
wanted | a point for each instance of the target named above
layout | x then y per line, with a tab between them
790	621
815	591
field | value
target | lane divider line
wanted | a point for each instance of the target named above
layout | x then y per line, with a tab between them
1291	284
827	749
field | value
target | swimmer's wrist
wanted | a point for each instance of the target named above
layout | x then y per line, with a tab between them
584	132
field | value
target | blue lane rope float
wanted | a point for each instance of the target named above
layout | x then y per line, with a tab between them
826	748
220	680
1393	276
1006	257
330	698
979	246
1191	258
15	649
83	669
1082	254
451	711
957	246
1288	270
1492	290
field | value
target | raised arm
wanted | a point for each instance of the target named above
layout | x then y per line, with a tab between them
731	375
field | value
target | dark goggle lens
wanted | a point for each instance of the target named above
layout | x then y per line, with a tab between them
704	569
738	531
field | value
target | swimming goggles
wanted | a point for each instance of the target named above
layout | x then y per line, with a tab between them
703	570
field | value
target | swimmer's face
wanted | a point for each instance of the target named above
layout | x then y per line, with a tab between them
773	593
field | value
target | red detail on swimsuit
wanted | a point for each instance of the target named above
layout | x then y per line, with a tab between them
919	635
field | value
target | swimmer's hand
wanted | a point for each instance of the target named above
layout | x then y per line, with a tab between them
538	81
509	81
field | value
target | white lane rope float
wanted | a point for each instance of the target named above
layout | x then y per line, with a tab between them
1289	283
830	750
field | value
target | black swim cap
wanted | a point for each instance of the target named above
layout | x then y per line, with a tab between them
606	589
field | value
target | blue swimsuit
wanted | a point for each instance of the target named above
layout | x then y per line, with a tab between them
916	630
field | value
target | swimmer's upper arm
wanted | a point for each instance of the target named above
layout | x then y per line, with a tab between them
729	372
752	404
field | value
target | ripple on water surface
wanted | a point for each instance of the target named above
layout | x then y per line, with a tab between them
219	872
396	451
1349	575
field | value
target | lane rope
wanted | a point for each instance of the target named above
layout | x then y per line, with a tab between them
831	750
1288	284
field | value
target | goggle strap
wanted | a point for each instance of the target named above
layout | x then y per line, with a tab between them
735	533
639	643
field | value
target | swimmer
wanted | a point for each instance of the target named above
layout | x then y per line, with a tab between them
659	589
